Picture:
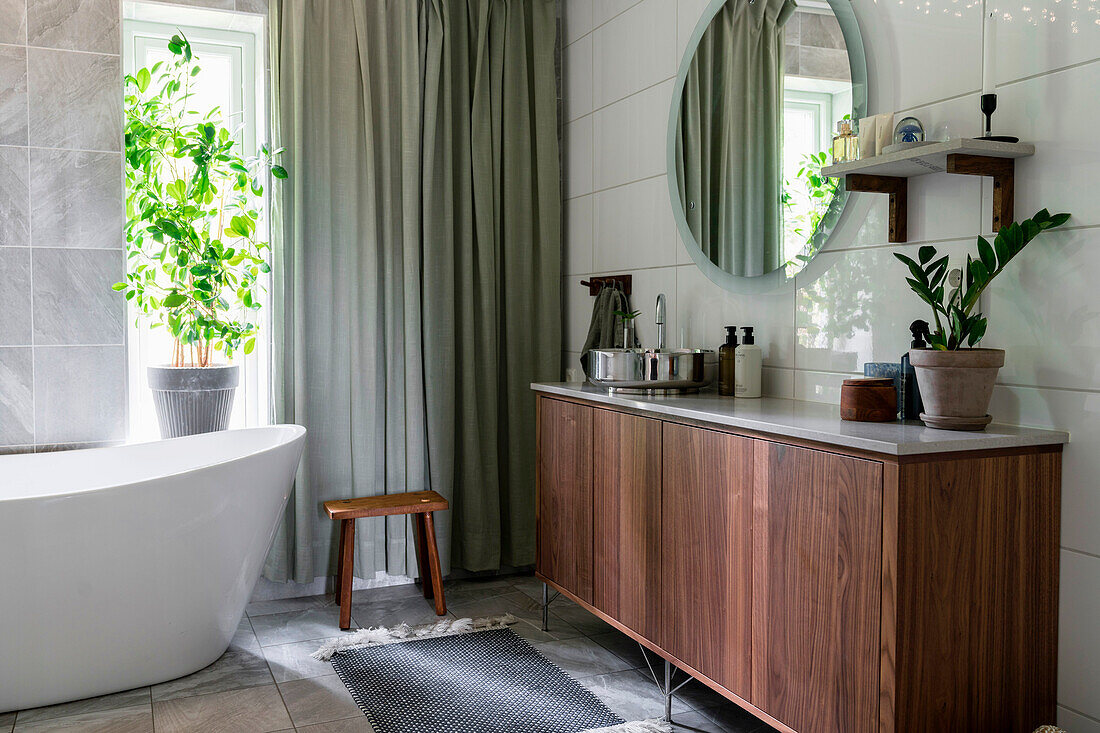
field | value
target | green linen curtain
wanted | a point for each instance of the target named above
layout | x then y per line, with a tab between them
729	139
420	283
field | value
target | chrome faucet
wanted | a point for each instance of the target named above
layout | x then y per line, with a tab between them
660	319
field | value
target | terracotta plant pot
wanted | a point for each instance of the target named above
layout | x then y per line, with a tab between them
956	386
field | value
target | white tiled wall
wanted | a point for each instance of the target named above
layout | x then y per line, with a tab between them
850	306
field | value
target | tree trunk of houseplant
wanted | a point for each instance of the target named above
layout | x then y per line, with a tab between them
192	400
956	386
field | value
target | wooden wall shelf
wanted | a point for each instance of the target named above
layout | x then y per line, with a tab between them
890	174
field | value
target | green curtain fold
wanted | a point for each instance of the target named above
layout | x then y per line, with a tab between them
729	138
419	283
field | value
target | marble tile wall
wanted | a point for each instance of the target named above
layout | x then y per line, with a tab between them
62	334
620	63
62	329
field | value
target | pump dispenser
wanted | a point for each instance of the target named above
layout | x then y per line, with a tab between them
747	365
726	358
911	404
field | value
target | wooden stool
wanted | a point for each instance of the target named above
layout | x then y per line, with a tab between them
420	504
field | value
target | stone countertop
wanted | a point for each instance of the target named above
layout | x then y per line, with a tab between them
814	421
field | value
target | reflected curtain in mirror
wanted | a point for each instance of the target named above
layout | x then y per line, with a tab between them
729	138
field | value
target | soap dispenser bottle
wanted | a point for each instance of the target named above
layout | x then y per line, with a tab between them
726	368
747	365
911	404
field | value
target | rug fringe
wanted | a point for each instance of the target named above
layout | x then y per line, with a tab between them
376	636
638	726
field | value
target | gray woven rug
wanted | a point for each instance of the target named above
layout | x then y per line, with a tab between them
489	681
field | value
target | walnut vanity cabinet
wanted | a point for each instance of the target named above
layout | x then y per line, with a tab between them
823	587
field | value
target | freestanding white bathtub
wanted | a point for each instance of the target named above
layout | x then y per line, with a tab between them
124	567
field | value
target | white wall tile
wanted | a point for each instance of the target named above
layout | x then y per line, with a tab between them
859	309
819	386
633	51
1059	114
1079	633
605	10
705	310
578	157
688	15
634	226
936	46
630	137
1043	311
578	235
578	79
777	382
578	312
1074	722
1033	37
577	19
1079	413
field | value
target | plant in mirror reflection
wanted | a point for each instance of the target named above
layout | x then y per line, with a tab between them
806	205
193	206
954	295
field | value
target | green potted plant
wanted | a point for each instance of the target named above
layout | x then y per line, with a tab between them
194	253
955	376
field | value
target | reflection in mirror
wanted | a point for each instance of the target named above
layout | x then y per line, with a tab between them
761	98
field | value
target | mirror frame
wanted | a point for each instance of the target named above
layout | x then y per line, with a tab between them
777	279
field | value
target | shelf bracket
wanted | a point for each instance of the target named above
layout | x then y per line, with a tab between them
898	188
1003	173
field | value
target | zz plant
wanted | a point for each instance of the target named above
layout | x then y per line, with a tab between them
954	295
193	206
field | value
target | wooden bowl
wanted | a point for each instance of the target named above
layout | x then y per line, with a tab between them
869	400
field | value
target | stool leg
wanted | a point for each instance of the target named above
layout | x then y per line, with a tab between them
347	565
433	563
339	567
422	555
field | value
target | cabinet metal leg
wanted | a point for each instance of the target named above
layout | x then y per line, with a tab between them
547	599
668	687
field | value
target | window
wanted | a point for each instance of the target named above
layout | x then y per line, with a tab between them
231	52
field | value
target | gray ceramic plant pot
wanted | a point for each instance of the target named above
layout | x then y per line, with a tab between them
956	386
193	400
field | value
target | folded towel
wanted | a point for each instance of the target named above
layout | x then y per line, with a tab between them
606	329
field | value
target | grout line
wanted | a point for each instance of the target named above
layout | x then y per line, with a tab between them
65	150
595	28
68	50
617	185
1058	70
30	241
1079	390
613	102
1081	552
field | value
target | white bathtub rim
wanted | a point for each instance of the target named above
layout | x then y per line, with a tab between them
294	431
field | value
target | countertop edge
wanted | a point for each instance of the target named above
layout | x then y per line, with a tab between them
954	441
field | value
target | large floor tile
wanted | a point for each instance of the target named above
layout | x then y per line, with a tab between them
234	670
732	719
292	661
631	695
624	648
393	612
7	720
292	626
15	294
252	710
13	95
565	610
287	605
133	719
582	657
15	201
127	699
694	721
318	700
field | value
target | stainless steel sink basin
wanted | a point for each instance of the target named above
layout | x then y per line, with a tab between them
641	371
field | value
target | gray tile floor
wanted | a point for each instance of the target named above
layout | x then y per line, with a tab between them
267	681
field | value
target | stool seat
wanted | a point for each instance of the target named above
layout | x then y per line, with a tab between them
420	504
415	502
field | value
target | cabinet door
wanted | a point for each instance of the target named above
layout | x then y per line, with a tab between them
817	520
627	519
564	504
707	521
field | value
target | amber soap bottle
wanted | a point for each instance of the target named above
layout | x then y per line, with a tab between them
727	355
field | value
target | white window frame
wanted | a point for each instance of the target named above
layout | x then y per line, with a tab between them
147	25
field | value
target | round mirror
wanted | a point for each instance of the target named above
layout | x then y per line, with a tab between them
760	93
